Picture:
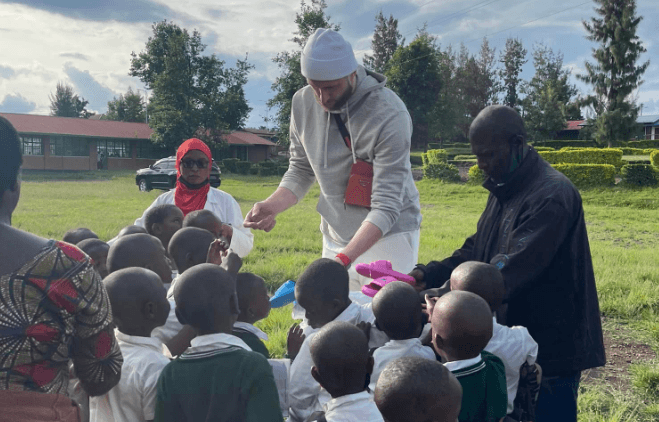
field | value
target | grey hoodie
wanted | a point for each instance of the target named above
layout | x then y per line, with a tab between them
380	129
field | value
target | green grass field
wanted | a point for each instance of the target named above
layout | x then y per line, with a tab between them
623	229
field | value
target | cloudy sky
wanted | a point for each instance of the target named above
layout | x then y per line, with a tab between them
87	43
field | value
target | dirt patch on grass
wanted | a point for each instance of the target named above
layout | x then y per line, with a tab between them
622	349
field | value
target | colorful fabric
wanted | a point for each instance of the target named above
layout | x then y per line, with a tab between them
29	406
188	199
53	309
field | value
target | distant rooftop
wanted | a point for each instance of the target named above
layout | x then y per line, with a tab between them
648	119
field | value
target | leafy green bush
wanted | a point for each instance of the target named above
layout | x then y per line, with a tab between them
632	151
645	143
254	170
242	167
452	152
572	148
281	170
541	148
230	164
476	176
433	145
434	156
638	175
464	157
588	174
612	156
268	164
566	143
416	160
442	171
649	151
654	158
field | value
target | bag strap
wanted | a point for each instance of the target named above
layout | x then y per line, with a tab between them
344	132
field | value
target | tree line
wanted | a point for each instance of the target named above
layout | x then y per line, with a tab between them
444	87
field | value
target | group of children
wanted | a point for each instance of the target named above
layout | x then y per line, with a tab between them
185	315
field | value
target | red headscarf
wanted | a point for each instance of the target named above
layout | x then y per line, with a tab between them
188	199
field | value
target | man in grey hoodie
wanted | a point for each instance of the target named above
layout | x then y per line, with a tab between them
380	131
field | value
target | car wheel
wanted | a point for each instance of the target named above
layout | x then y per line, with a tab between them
144	185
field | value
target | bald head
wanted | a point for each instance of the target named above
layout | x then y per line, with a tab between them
461	325
497	123
397	311
324	278
132	229
75	236
413	389
480	278
189	247
203	219
136	296
340	356
139	250
205	298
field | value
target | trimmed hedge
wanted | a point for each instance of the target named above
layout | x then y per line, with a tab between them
476	176
654	158
434	156
612	156
540	148
632	151
464	157
566	143
416	160
588	174
230	164
441	171
638	175
649	151
645	143
242	167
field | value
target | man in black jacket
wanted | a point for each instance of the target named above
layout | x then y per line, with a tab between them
533	230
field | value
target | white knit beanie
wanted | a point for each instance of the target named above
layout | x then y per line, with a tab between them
327	57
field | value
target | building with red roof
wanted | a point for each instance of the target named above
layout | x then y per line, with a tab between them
66	143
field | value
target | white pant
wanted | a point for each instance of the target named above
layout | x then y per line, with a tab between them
402	249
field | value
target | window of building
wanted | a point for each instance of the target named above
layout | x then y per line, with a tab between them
31	145
241	153
113	148
68	146
146	149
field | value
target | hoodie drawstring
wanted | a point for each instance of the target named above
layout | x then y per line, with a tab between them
327	137
352	140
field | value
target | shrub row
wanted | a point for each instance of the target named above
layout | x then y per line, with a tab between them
230	164
654	158
639	175
644	143
588	174
441	171
416	160
434	156
566	143
437	145
476	176
612	156
543	149
464	157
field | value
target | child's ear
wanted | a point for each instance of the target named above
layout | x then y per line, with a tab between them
180	317
369	365
189	259
316	375
233	304
149	310
156	229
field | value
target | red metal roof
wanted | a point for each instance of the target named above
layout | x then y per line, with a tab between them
245	138
30	123
575	124
34	124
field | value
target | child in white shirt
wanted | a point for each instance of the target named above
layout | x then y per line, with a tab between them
399	316
138	305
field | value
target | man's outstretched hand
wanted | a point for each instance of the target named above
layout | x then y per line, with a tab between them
261	217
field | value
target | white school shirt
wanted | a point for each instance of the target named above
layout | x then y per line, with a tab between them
225	208
358	407
514	346
304	395
134	397
395	349
171	328
245	326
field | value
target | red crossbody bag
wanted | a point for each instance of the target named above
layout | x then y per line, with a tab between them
360	182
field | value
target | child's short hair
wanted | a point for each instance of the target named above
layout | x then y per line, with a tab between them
75	236
133	250
199	218
157	215
189	246
397	311
90	245
202	293
246	288
480	278
132	229
414	389
340	354
326	279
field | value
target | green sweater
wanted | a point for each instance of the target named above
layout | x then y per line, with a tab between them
252	341
223	385
484	394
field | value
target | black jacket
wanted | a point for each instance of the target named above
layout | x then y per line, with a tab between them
533	230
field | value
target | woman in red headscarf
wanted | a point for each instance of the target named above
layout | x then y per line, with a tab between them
193	192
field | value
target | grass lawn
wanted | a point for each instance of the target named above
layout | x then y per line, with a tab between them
623	227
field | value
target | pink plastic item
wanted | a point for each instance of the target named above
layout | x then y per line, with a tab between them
382	274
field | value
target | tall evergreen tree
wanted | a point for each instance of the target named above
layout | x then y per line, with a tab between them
414	74
512	59
66	103
616	74
311	17
193	94
386	40
548	94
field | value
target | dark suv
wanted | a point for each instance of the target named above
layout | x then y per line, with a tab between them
162	175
